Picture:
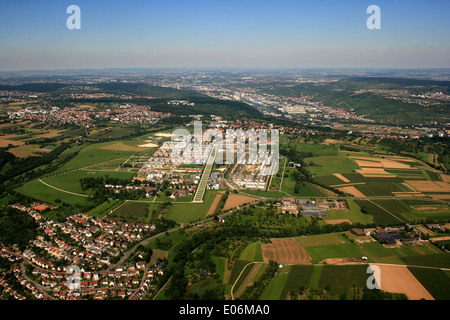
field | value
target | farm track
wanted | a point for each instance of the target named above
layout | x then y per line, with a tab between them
386	211
240	274
65	191
76	169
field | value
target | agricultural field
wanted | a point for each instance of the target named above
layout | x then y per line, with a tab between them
317	283
363	175
71	181
190	212
36	189
286	251
353	214
324	281
105	208
436	282
96	154
322	247
236	200
330	164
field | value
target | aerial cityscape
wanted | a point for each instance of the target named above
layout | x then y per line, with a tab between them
228	159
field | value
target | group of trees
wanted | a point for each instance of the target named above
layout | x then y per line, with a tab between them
11	166
99	192
16	227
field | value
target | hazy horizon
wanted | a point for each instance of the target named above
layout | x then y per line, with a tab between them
224	35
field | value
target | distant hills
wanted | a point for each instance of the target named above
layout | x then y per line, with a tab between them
202	104
375	106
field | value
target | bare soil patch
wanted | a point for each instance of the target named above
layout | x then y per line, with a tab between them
441	238
340	176
353	191
163	134
429	186
338	221
214	205
342	260
398	279
120	146
148	145
363	163
5	140
385	163
286	250
236	200
374	171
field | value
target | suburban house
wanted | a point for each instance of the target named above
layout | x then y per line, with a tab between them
178	193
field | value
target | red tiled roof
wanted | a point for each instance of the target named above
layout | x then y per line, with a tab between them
40	208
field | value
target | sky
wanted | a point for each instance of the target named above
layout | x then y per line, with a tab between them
223	34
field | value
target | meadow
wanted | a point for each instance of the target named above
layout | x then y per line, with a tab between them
190	212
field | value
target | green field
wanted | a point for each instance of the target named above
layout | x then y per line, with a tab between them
252	252
276	288
329	164
380	216
136	211
236	270
437	282
189	212
39	191
104	208
71	181
409	210
94	154
338	281
353	213
321	247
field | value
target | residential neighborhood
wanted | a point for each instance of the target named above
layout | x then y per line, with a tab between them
99	249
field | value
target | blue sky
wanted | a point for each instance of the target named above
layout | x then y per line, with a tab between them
220	34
